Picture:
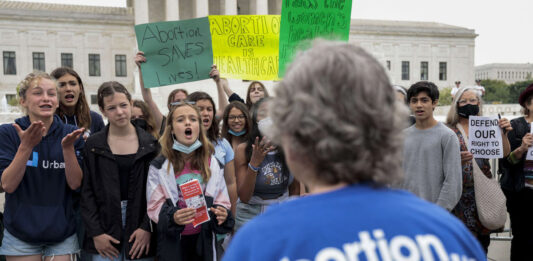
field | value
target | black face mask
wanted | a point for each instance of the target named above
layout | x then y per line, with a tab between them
468	110
141	123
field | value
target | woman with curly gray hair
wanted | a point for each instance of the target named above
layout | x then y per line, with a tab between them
336	117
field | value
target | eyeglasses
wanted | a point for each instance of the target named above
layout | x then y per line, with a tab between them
182	102
470	101
233	117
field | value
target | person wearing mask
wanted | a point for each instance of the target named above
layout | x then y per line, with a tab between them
142	117
236	124
263	178
187	154
341	131
468	103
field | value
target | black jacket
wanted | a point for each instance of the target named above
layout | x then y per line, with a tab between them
513	174
100	196
169	233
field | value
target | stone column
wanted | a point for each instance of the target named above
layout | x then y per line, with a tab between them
261	7
201	8
141	11
172	8
230	7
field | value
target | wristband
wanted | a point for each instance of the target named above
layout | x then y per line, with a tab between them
254	169
512	158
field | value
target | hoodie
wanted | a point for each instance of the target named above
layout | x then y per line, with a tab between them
40	210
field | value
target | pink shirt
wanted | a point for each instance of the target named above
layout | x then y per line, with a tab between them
187	174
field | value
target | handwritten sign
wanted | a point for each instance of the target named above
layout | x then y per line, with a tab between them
194	198
303	20
176	52
485	137
246	46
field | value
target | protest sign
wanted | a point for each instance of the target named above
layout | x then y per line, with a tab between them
194	198
302	20
529	155
246	46
176	52
485	137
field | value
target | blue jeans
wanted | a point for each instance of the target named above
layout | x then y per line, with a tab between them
12	246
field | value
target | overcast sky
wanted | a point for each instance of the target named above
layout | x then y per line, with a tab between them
504	27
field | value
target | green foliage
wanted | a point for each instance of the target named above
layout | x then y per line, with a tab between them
13	102
496	91
516	88
445	96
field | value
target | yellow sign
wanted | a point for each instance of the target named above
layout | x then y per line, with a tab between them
246	46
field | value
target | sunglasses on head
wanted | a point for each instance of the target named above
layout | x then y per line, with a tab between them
182	102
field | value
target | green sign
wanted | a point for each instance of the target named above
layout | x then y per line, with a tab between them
176	52
308	19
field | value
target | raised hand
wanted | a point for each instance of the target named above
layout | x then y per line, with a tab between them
32	135
69	140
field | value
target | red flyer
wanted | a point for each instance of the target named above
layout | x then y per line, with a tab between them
194	198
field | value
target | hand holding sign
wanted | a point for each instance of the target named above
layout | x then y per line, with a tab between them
466	157
505	125
485	137
176	51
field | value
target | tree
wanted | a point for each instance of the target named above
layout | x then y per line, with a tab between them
516	88
445	96
496	91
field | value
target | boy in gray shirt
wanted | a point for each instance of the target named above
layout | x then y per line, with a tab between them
432	159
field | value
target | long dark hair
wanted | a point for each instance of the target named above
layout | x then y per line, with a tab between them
254	132
225	120
148	117
213	132
170	98
248	100
82	112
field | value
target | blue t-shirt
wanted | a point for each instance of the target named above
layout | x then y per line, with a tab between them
223	151
357	222
40	209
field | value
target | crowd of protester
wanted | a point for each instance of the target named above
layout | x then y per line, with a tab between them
332	167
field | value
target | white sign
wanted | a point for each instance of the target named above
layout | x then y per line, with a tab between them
485	137
529	155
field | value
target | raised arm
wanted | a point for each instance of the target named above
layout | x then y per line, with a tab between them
147	94
220	82
14	173
245	176
73	171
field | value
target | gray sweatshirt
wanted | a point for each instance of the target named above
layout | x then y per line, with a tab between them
432	165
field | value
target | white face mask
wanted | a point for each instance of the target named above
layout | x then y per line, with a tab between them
265	126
